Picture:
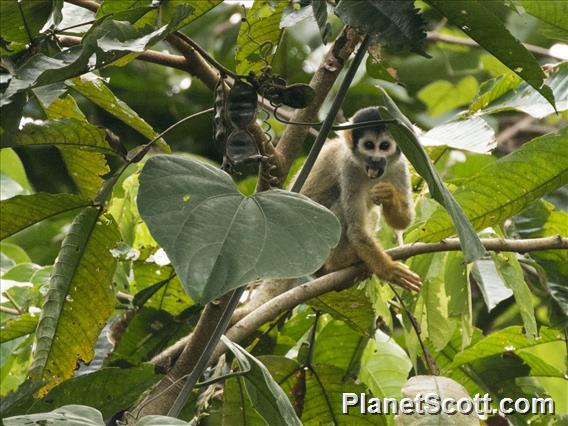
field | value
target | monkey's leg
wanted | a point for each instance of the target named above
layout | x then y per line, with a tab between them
396	205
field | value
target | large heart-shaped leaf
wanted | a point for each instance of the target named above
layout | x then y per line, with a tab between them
218	239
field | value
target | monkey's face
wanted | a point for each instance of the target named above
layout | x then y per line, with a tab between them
374	151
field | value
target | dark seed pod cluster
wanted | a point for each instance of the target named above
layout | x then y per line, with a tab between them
234	113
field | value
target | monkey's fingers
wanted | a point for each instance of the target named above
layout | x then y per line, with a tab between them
382	194
405	278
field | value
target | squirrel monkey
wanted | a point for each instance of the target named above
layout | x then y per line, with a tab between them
357	176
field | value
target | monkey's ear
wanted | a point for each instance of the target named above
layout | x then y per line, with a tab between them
348	137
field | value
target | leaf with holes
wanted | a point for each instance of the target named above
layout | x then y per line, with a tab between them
396	25
503	188
218	239
79	300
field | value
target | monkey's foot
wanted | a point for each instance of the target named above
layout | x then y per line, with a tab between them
382	193
402	276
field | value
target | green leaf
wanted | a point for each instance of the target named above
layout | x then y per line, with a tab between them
76	415
259	37
351	306
94	88
68	132
510	339
458	289
384	366
376	69
553	13
217	239
475	19
267	397
22	211
85	169
442	96
237	407
85	163
109	40
338	345
440	327
473	134
505	94
410	146
12	167
108	390
505	187
148	333
80	298
510	270
193	9
396	25
170	297
15	23
325	385
18	327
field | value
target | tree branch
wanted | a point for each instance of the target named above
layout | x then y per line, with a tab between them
292	140
342	279
433	36
345	278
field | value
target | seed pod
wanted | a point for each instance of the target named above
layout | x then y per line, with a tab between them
241	105
241	147
220	130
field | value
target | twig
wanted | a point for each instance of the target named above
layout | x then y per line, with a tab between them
8	310
512	130
433	36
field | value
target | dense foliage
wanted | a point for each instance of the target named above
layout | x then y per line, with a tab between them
121	235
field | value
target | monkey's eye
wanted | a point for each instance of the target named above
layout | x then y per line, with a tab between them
384	146
369	145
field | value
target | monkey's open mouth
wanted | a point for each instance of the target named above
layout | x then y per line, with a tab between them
373	172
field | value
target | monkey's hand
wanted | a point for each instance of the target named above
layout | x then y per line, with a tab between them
383	193
399	274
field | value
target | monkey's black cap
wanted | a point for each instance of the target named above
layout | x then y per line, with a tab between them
367	114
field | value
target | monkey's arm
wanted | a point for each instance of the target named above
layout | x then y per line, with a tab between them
368	249
396	204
